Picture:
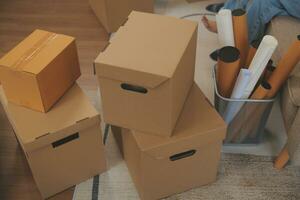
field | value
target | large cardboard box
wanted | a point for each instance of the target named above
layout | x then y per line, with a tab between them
147	71
39	70
164	166
64	146
113	13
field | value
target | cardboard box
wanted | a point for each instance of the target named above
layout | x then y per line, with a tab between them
64	146
161	167
113	13
117	133
147	71
39	70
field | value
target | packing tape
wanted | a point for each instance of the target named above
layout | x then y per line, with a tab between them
33	51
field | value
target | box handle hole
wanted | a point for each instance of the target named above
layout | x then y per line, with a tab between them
65	140
182	155
134	88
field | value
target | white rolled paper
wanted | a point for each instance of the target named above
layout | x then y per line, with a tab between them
225	27
260	61
241	83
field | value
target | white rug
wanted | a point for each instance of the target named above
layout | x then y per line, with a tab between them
116	183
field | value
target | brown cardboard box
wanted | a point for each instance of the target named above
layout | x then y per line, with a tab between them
39	70
64	146
164	166
113	13
147	71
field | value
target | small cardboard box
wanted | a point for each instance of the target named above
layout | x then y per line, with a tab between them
113	13
39	70
146	72
64	146
161	166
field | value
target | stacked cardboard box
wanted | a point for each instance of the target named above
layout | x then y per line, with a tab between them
63	146
171	136
113	13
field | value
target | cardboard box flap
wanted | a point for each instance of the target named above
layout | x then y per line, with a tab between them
62	136
30	125
198	125
147	44
46	45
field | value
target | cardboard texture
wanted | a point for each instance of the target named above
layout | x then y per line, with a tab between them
39	70
117	131
147	71
113	13
251	53
240	29
161	166
64	146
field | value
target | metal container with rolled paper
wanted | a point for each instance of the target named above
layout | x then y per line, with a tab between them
240	129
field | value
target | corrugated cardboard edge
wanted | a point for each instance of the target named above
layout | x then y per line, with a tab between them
49	138
153	150
44	139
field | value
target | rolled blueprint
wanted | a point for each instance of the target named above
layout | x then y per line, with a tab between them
259	62
241	83
284	67
240	30
251	52
227	70
225	27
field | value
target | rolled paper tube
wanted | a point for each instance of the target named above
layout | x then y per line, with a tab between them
269	70
262	77
241	83
225	27
260	61
284	67
228	69
251	52
253	119
262	91
243	132
282	159
240	30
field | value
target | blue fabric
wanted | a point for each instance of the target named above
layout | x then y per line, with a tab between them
261	12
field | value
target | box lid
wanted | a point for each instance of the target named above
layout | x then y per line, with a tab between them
146	50
198	125
46	45
36	129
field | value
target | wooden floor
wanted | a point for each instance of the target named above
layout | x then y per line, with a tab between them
18	18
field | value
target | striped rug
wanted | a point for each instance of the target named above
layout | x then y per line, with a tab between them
240	177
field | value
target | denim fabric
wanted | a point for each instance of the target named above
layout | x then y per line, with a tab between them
261	12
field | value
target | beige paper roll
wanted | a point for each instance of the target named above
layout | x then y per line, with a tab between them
284	67
228	69
262	91
251	52
240	29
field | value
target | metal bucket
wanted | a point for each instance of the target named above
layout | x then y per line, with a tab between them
248	124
